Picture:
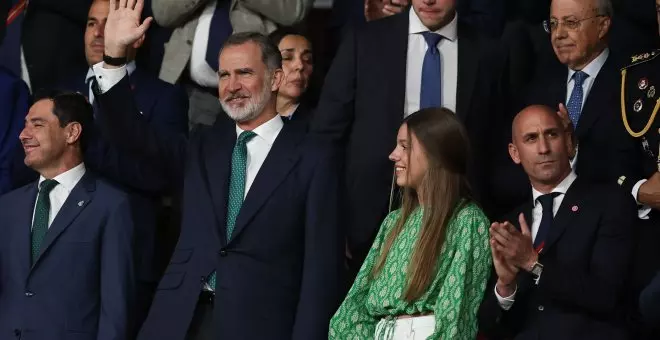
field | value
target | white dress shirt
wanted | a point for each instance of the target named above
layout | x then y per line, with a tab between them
66	182
200	71
90	74
417	47
259	146
537	214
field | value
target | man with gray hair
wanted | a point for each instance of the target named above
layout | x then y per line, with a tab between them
260	250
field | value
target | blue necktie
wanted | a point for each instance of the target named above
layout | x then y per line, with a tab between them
220	30
10	49
574	106
431	91
546	219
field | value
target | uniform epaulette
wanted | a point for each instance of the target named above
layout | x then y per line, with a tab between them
642	58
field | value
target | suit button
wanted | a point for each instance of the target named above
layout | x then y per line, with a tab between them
223	253
189	42
541	308
29	294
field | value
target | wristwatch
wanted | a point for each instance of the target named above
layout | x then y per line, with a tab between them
536	271
114	61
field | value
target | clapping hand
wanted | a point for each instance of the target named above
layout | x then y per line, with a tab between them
514	246
377	9
123	28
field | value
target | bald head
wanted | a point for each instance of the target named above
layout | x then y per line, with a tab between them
534	112
541	145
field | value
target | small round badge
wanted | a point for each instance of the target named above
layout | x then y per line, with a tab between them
643	84
651	93
638	105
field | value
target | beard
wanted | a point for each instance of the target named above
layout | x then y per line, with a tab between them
254	106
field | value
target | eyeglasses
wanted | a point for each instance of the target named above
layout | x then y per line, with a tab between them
570	24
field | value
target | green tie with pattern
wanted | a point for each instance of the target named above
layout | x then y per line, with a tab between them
236	185
41	215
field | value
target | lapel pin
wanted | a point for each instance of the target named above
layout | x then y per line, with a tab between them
643	84
575	208
651	93
80	204
142	113
638	105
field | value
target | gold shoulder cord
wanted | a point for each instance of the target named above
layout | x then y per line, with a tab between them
624	114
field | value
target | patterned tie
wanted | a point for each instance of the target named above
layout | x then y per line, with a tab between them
575	101
546	218
431	91
219	32
236	185
41	215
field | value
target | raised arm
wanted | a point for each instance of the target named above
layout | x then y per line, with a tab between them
283	12
172	13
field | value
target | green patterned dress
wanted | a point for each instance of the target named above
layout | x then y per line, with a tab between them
453	296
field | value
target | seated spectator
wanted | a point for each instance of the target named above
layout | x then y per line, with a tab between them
200	28
161	104
67	239
14	96
428	267
563	259
298	65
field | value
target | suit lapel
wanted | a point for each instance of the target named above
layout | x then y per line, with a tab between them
568	210
591	111
216	169
279	162
468	68
77	201
396	54
21	244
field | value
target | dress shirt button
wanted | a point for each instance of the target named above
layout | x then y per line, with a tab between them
29	294
223	253
541	308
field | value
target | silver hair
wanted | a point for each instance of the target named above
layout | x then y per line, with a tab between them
604	7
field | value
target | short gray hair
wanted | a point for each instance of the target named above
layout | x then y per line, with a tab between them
605	7
270	54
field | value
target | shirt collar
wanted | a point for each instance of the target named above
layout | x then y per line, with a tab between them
267	131
448	31
69	178
562	188
593	67
130	67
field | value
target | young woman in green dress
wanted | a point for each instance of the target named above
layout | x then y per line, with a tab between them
427	270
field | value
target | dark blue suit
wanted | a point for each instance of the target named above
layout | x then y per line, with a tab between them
14	105
162	105
82	285
279	276
649	303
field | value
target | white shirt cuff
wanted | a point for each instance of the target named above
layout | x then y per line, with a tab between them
506	302
106	77
643	211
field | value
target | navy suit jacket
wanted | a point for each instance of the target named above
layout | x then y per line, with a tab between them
163	105
14	102
82	285
649	303
279	275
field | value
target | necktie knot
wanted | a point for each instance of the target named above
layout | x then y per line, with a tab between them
245	137
47	186
547	201
579	77
432	40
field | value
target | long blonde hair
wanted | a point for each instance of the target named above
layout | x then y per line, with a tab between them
444	142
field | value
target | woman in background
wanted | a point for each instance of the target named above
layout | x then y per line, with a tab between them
298	66
427	270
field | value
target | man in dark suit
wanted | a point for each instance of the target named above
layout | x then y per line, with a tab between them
259	255
66	253
562	271
43	40
585	89
385	71
160	103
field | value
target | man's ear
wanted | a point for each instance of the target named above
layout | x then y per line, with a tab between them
73	133
278	78
513	153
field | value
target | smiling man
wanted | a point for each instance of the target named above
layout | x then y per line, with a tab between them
259	254
562	259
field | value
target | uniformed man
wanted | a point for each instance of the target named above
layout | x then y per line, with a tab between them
640	105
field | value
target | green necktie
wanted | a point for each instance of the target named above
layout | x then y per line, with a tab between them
236	185
41	215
